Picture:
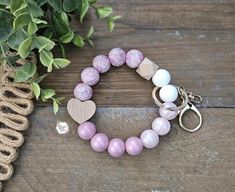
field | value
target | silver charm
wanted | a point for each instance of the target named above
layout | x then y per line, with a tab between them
62	127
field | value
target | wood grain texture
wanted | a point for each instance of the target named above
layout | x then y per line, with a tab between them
203	161
201	61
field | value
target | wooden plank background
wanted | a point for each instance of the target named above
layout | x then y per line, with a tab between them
195	41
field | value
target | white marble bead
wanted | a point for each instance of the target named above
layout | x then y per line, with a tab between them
161	78
168	93
161	126
149	138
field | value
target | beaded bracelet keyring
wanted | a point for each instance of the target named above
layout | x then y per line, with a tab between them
81	108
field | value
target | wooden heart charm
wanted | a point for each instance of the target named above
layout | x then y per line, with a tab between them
81	111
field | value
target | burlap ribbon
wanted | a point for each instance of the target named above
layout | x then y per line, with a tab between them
15	104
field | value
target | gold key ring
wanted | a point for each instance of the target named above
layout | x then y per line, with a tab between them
187	99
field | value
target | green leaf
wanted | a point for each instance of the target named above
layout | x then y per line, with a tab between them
39	21
78	41
55	106
61	23
22	9
48	93
24	47
41	2
12	59
39	79
90	32
46	58
34	9
5	25
67	38
92	1
21	20
36	89
61	63
44	43
16	39
15	4
32	28
90	42
25	72
56	4
84	9
49	68
111	25
4	2
103	11
70	5
114	18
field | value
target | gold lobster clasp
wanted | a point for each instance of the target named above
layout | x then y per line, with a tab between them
191	98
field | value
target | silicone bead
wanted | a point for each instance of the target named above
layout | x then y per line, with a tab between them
90	76
134	57
161	78
101	63
83	92
117	57
168	93
99	142
149	138
134	146
116	147
161	126
86	130
168	114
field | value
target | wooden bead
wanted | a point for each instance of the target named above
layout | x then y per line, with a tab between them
147	68
81	111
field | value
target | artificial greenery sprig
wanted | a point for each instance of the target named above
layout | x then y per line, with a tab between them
37	26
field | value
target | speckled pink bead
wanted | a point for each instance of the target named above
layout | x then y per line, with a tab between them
83	92
99	142
134	146
116	147
101	63
90	76
161	126
86	130
117	57
169	115
133	58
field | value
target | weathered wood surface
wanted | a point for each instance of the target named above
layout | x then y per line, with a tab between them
203	161
195	40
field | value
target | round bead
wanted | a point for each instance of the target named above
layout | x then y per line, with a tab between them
83	92
168	114
101	63
168	93
133	58
134	146
161	78
99	142
117	56
161	126
86	130
90	76
149	138
116	147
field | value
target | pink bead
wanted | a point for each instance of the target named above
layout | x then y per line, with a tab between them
167	114
117	56
99	142
83	92
149	138
133	58
134	146
90	76
161	126
101	63
116	147
86	130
